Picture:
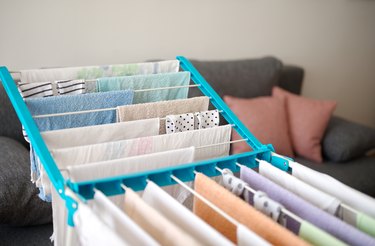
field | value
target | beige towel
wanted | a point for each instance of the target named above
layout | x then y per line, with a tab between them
162	109
159	227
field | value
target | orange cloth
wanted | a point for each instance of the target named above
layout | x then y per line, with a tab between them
240	211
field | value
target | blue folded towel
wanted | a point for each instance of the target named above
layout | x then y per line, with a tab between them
73	103
149	81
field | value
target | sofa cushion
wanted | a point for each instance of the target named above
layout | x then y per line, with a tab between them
240	78
345	140
28	235
266	118
10	125
308	120
19	201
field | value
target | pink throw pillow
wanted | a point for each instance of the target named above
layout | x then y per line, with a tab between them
266	118
308	120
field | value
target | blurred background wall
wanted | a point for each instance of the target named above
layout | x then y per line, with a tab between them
334	40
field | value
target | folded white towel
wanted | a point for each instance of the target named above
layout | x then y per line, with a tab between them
73	137
134	164
126	148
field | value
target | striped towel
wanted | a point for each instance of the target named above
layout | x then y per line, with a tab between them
29	90
47	89
43	89
71	87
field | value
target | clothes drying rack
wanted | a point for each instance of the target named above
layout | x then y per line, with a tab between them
137	181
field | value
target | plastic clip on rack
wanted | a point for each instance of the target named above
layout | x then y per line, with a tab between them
138	181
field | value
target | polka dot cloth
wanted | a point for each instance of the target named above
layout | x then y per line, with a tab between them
232	183
179	123
267	206
207	119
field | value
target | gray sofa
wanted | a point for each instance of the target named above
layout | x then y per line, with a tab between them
26	220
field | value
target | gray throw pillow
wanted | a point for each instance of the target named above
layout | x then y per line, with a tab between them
19	201
240	78
345	140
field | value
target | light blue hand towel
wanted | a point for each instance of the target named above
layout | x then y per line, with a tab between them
73	103
149	81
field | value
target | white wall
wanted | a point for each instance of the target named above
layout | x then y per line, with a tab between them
334	40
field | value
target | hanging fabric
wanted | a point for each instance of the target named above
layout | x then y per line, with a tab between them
245	214
158	226
184	218
147	145
305	210
162	109
94	72
149	81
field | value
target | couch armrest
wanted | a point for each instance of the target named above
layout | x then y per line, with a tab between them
291	78
345	140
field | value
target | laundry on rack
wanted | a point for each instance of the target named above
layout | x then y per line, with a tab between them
353	216
74	103
90	86
59	215
162	109
219	137
179	123
93	231
332	186
78	136
207	119
71	87
41	89
71	103
316	197
365	223
73	137
128	165
276	211
31	90
190	121
120	167
134	164
158	226
180	80
246	237
243	213
94	72
316	236
305	210
157	198
119	222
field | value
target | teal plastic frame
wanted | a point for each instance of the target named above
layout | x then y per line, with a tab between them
112	186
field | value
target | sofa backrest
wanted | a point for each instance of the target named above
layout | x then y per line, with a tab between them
249	78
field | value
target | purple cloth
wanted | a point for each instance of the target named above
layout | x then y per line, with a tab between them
305	210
